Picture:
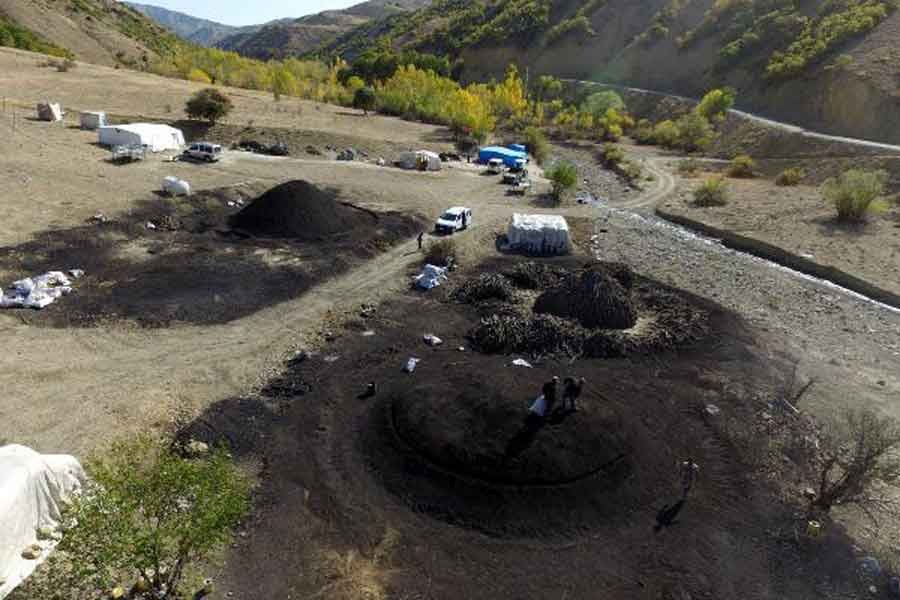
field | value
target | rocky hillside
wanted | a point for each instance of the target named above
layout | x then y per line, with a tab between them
99	31
300	36
200	31
828	64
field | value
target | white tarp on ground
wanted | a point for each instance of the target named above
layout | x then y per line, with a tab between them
32	488
92	120
153	136
49	111
39	292
431	277
423	160
539	234
176	187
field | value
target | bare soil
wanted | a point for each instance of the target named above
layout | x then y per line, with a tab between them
439	487
799	220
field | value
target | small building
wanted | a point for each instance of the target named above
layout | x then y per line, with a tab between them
49	111
507	155
420	160
91	120
539	234
153	136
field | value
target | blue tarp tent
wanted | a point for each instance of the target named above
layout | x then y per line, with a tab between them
507	155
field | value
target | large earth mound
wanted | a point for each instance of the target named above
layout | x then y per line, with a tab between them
298	209
477	430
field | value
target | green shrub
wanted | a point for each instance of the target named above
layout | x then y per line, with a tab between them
537	144
665	133
364	99
209	104
598	103
689	167
716	103
712	192
790	177
149	512
643	132
742	166
855	193
564	177
632	171
441	253
611	155
695	132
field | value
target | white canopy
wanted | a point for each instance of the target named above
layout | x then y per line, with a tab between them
544	234
154	136
93	120
420	159
32	488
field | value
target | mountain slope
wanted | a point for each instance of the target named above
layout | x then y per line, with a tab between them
303	35
828	64
99	31
200	31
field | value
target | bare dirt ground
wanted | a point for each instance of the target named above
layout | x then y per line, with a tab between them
799	220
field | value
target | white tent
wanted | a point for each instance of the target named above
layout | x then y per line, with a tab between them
153	136
93	120
32	488
539	234
423	160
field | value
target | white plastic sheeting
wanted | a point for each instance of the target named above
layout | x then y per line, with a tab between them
431	277
176	187
39	292
153	136
539	234
32	488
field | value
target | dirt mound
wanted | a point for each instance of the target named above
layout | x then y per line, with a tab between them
593	297
298	209
479	432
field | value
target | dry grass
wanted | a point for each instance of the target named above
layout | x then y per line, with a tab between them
359	577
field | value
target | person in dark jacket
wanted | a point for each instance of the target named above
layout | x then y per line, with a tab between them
419	239
550	393
571	391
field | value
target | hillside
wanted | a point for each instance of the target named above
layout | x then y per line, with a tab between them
200	31
828	64
294	38
98	31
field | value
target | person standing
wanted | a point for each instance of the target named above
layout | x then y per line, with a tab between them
420	238
550	393
571	391
689	473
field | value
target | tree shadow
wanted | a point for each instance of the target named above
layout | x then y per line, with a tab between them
831	226
544	201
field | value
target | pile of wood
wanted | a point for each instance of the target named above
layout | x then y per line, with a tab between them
539	334
535	276
593	297
487	286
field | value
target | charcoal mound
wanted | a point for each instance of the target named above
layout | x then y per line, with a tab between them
479	432
594	298
299	209
487	286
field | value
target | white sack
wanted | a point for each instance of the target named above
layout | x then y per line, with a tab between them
534	232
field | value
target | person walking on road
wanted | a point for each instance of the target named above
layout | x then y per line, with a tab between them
420	238
689	472
571	391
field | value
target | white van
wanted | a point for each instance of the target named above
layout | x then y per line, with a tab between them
454	219
204	151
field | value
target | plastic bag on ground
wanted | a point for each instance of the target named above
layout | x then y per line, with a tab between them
410	365
521	362
432	340
431	277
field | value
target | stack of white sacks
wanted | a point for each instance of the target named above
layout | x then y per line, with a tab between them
39	292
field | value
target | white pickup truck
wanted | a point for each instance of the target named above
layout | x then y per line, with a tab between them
454	219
